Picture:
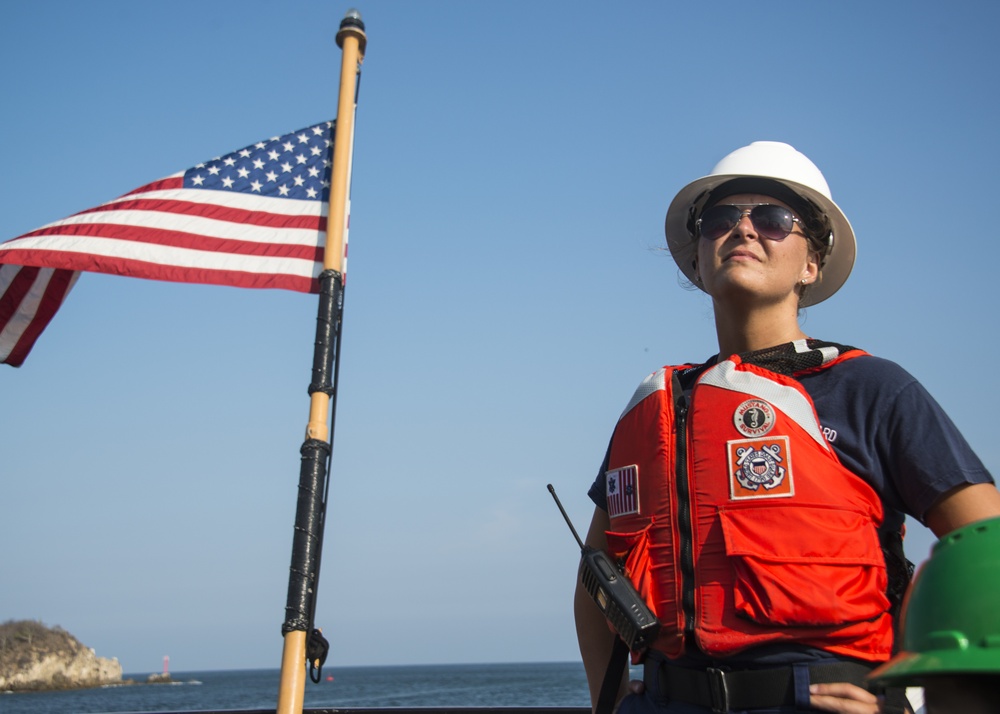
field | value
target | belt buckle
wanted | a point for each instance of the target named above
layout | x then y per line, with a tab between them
718	690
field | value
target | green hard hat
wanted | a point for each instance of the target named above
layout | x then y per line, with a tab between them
951	614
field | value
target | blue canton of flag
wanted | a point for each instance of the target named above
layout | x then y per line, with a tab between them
289	166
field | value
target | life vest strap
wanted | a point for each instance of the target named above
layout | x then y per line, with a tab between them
612	683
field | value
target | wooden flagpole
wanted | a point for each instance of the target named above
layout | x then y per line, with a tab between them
309	517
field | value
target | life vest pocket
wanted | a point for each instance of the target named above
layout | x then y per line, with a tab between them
631	552
804	566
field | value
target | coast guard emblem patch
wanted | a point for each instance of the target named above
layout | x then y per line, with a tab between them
754	417
622	490
760	468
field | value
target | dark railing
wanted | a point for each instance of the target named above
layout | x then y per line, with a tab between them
399	710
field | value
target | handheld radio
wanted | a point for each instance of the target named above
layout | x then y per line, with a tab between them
614	593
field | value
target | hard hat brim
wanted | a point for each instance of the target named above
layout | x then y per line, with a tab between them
839	261
911	668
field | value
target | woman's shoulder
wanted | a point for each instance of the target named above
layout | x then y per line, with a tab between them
869	367
864	377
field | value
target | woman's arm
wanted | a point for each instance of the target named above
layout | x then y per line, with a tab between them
592	632
961	506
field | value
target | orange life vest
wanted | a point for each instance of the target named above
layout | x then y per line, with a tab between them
737	522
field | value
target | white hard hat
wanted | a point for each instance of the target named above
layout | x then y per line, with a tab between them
783	164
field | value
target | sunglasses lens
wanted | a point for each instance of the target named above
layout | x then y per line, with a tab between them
717	221
772	222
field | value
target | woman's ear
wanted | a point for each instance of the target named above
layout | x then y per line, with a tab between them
810	274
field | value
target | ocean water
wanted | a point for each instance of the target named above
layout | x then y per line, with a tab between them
494	685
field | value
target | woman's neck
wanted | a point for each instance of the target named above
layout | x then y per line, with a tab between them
741	331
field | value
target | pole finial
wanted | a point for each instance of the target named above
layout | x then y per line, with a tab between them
353	25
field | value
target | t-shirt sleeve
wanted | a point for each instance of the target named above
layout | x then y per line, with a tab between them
598	492
885	427
927	455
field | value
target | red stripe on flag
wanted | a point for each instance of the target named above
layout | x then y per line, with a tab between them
176	239
213	211
164	184
12	297
55	292
135	268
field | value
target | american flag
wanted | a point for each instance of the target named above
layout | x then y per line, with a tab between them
255	218
623	491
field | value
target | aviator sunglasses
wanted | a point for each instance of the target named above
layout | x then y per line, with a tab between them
769	221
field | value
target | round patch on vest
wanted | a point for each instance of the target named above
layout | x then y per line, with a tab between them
754	417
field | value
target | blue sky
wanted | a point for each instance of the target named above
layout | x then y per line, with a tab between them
508	287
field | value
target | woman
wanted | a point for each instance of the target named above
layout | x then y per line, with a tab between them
756	500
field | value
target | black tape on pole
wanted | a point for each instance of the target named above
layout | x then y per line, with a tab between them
310	513
328	319
308	536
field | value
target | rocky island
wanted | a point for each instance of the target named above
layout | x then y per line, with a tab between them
34	657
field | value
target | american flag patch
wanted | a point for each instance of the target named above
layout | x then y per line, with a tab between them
622	490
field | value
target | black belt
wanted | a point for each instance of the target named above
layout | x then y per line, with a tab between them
721	690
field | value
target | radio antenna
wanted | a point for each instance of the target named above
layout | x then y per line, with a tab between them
565	516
